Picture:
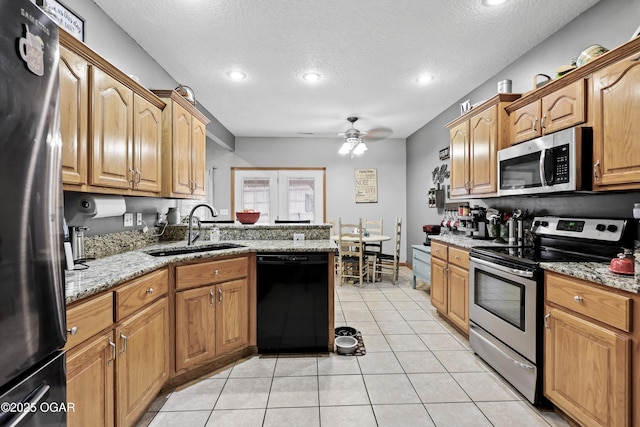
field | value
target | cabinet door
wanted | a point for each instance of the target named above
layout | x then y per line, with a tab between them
525	122
458	297
564	108
587	370
90	377
182	179
459	159
439	284
195	323
111	149
232	327
74	99
198	157
616	128
483	152
143	360
147	144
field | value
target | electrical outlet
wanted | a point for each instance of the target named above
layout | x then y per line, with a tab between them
224	211
298	237
128	219
139	218
161	219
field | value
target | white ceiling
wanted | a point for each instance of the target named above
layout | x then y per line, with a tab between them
369	53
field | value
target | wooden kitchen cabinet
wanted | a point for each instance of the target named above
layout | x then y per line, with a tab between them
450	283
474	141
122	153
184	147
74	112
616	133
212	310
587	360
561	109
90	382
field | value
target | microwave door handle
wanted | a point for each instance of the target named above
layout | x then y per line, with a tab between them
543	174
546	163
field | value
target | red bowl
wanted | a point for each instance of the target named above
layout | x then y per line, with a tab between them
247	217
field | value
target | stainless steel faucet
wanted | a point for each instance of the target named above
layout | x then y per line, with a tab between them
190	239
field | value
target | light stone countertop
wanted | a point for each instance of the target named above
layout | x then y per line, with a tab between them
596	272
105	273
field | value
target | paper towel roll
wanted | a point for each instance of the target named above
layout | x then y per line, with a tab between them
83	207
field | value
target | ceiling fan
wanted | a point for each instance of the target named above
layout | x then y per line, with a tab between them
354	143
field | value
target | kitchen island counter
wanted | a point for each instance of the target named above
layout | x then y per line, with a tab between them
105	273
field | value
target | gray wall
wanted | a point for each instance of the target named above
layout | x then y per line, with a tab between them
609	23
387	156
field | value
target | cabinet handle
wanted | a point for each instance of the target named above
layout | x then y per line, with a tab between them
132	180
595	170
219	295
149	291
546	320
543	123
113	351
124	344
535	125
73	330
212	296
139	177
577	298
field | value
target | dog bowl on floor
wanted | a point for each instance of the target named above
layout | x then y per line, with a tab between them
346	331
346	345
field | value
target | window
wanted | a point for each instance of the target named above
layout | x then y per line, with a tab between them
284	194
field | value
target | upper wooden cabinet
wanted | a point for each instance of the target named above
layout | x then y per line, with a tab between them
110	126
616	135
184	147
561	109
474	141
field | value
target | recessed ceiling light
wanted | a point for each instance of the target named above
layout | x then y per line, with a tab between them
493	2
311	77
236	75
425	78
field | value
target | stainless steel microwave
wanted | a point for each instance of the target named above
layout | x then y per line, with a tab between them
557	162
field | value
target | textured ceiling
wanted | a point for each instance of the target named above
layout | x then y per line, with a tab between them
369	53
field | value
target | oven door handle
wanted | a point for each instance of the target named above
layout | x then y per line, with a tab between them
499	350
522	273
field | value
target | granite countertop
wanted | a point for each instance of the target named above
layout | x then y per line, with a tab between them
595	272
105	273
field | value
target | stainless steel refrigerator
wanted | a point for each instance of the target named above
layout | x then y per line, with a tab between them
32	307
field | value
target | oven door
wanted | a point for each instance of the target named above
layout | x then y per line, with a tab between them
503	301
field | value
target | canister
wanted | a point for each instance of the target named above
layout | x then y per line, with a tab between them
504	86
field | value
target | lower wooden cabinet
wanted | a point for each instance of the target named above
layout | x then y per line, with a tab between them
439	284
458	300
587	363
90	382
450	283
142	365
232	316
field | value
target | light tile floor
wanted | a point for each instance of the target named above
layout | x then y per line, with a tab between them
418	371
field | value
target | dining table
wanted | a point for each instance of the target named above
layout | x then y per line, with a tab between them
372	238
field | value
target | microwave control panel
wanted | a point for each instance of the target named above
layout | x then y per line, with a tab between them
561	161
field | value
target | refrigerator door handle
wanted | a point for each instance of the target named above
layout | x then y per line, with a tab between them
31	401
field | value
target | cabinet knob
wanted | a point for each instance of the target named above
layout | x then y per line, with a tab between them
577	298
73	330
595	170
216	272
457	258
150	291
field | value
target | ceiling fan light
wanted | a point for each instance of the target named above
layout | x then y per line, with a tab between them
345	149
360	149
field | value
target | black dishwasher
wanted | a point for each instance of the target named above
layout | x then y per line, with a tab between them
293	302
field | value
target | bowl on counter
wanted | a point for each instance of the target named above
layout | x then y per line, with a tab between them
248	217
346	345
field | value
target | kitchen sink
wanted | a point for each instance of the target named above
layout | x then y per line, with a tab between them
193	249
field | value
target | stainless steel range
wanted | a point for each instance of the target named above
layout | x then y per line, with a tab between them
506	292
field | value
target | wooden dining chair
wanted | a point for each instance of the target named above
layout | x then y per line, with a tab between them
333	231
373	226
390	263
352	261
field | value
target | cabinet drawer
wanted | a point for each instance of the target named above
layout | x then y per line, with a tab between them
459	257
206	273
439	250
421	255
88	318
140	292
422	269
584	298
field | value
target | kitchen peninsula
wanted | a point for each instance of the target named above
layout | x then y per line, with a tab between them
138	322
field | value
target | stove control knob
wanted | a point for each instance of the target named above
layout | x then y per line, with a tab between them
612	228
536	223
544	223
601	227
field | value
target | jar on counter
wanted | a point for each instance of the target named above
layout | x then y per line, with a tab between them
173	217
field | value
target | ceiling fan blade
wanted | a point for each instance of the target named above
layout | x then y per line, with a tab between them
378	134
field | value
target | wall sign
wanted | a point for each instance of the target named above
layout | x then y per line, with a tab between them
66	18
366	186
444	153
